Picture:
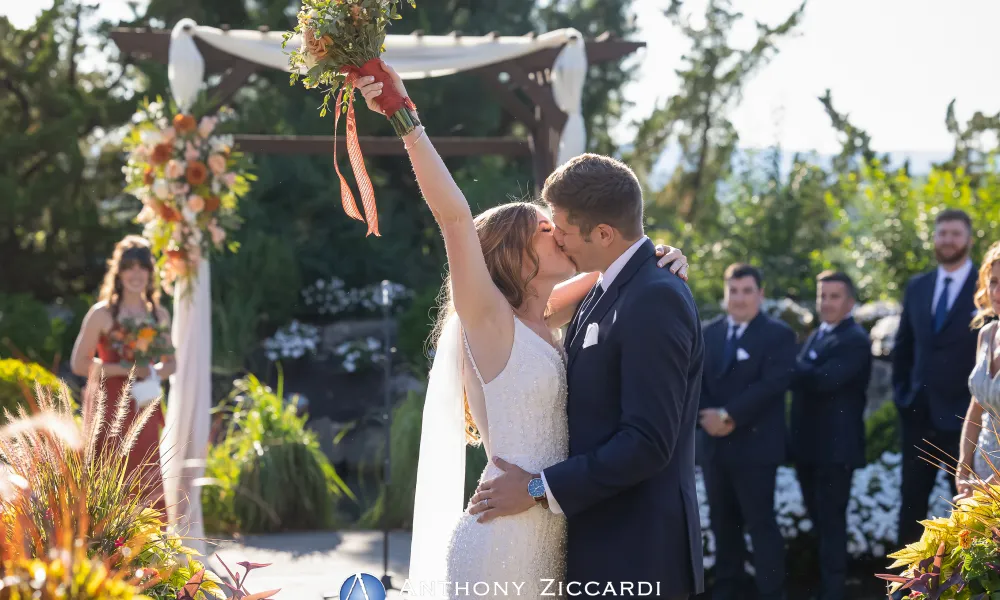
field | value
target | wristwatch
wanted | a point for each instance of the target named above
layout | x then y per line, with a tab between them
536	487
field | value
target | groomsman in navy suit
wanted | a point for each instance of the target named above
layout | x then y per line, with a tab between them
828	427
934	354
749	363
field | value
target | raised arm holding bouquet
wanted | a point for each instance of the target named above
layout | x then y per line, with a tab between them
342	40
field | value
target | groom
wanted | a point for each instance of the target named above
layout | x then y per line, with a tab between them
635	354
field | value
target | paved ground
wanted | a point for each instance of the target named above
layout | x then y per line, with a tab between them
312	566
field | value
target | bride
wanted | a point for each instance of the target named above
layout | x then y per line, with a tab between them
509	288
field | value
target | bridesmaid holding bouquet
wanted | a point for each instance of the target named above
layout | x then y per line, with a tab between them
128	329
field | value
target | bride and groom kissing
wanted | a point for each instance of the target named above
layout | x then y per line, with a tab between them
591	482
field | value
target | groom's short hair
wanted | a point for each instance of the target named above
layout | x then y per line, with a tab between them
595	189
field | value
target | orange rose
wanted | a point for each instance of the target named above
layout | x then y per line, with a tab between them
184	123
148	176
145	338
166	212
316	47
177	262
161	153
197	172
212	204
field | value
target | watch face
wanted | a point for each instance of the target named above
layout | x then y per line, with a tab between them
536	488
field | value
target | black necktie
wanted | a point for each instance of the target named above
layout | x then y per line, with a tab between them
729	353
941	312
593	296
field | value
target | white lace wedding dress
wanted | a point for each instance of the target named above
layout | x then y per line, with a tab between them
525	409
526	416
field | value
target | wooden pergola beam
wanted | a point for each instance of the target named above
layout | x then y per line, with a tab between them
378	145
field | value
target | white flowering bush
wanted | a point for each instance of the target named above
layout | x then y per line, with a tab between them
330	297
359	354
872	510
294	340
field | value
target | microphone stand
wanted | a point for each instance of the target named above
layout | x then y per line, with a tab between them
386	418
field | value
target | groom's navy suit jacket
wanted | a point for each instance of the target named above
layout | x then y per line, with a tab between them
628	486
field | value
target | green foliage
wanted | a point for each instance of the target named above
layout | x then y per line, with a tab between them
885	220
269	473
28	331
696	118
396	510
882	432
415	325
252	290
18	378
774	220
60	181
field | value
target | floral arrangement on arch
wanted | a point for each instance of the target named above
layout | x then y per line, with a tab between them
190	181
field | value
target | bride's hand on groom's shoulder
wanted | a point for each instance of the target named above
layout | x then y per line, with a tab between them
504	495
668	255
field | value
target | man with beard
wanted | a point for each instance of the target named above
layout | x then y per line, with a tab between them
934	354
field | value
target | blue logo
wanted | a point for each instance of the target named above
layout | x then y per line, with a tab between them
362	586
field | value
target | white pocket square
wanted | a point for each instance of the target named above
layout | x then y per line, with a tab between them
741	354
590	338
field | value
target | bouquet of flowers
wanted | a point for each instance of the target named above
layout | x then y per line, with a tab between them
142	343
343	40
189	182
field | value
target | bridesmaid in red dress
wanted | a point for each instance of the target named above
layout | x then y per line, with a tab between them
129	291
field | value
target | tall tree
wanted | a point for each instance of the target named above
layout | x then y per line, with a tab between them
696	118
62	204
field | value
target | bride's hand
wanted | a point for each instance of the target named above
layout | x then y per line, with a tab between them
673	257
372	89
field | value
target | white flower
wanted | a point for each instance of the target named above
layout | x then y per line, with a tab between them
292	341
161	189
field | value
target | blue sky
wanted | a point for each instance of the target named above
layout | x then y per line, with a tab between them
893	65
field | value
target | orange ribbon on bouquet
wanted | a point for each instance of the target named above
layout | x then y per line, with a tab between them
390	101
357	163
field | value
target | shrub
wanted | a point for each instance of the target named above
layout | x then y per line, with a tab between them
397	509
17	384
872	510
269	473
882	432
77	515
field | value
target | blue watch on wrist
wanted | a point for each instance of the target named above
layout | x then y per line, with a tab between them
536	488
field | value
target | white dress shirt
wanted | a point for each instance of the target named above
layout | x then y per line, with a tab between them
604	280
958	277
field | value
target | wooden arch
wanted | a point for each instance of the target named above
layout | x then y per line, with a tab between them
528	74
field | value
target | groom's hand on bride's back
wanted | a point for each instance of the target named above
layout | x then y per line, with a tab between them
504	495
674	259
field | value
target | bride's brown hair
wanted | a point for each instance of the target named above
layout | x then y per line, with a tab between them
505	233
130	251
982	298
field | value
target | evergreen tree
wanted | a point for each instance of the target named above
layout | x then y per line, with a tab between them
696	118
